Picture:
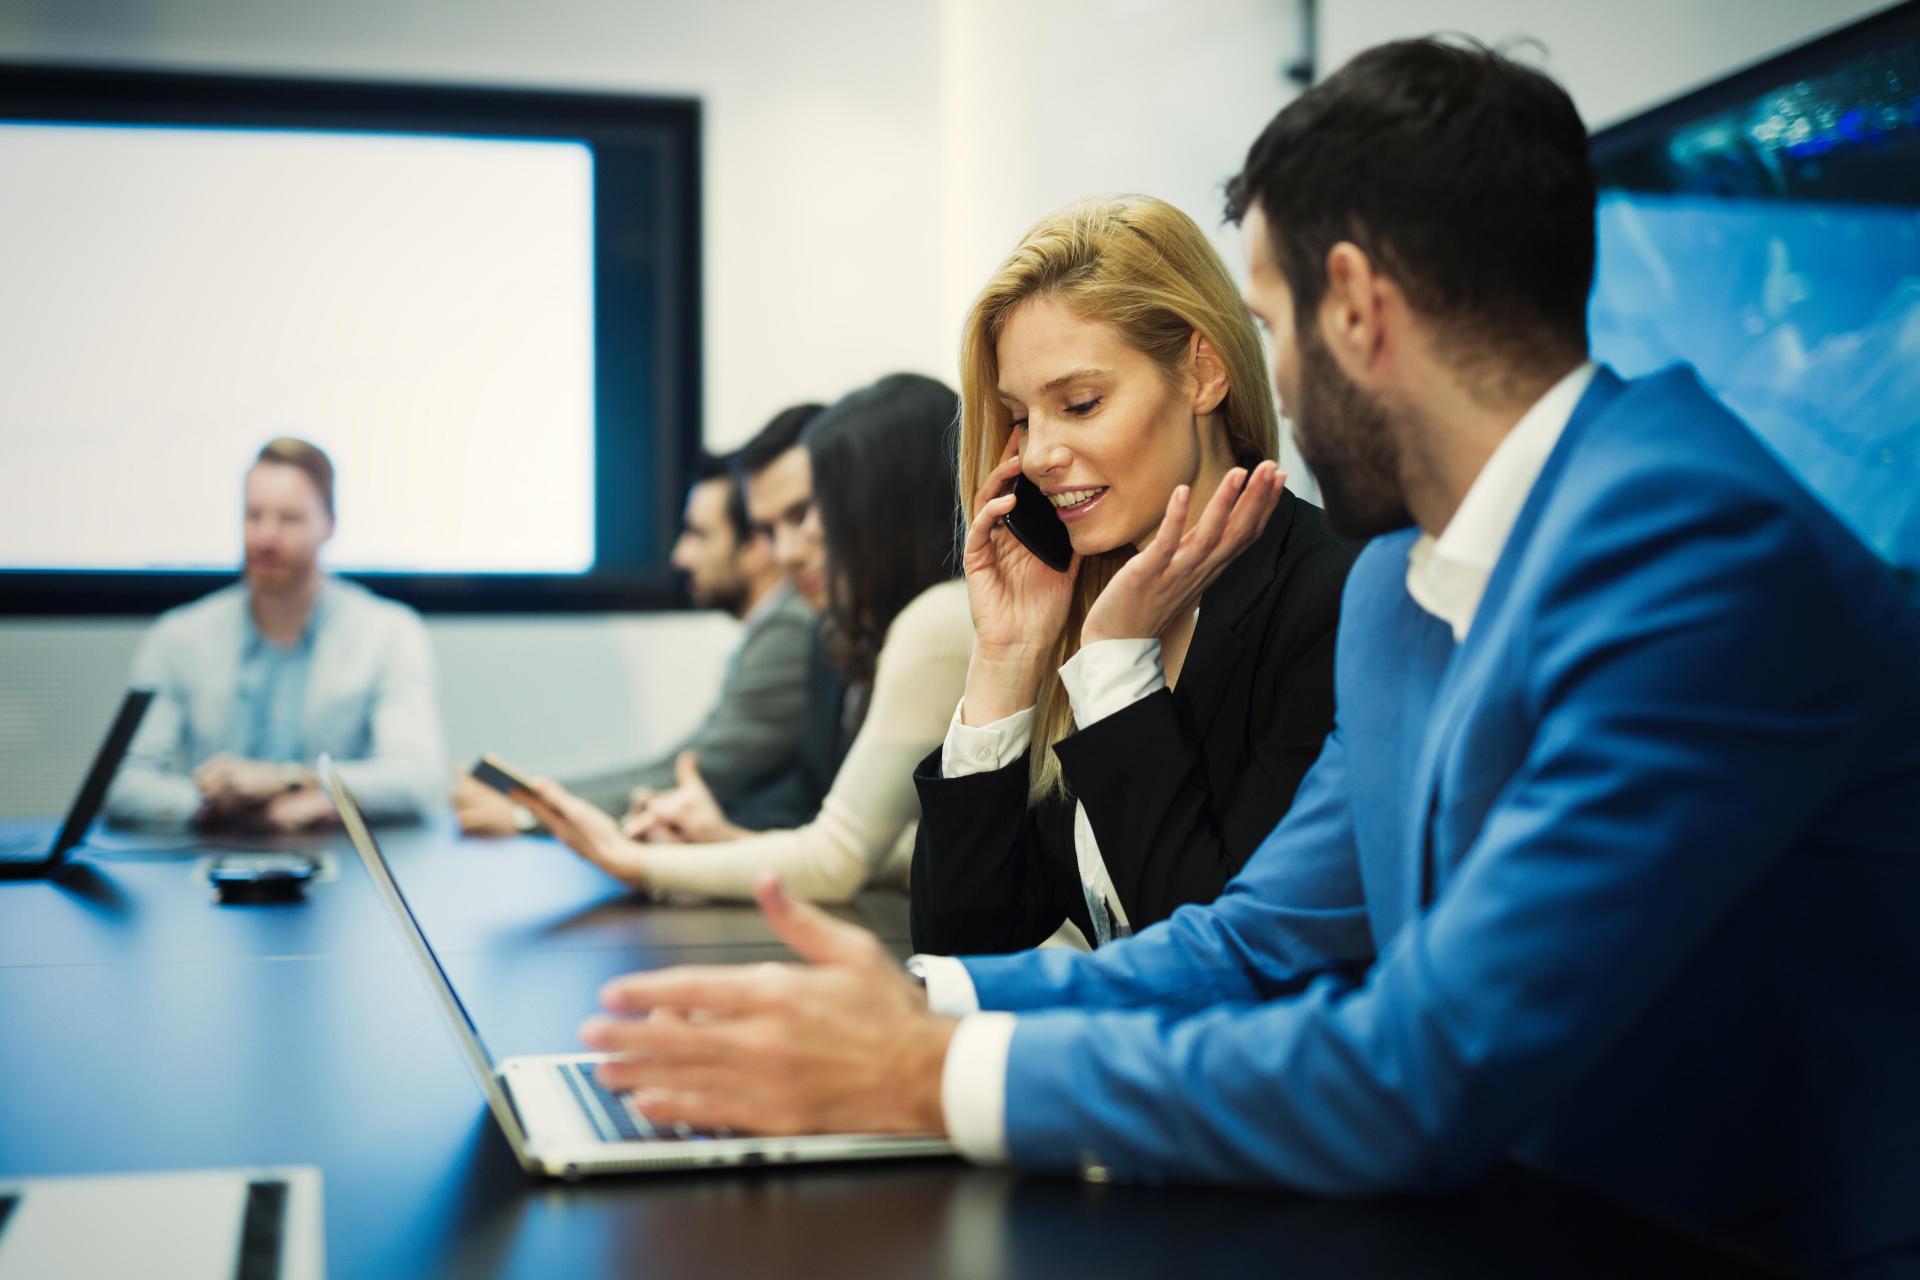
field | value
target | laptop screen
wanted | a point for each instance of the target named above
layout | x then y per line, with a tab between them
106	763
452	1010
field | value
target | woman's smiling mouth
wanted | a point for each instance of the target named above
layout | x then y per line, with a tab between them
1073	504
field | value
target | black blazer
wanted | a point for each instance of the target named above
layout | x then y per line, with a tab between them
1180	787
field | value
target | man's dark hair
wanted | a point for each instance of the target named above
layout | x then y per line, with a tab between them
757	454
1461	173
774	439
715	466
311	459
883	483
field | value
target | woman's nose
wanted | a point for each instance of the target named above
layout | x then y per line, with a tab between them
1045	453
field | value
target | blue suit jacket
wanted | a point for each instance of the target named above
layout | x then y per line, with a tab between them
1626	886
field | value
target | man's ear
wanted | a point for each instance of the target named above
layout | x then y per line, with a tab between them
1210	383
753	554
1352	315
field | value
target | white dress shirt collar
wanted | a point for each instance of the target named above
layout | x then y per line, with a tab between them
1447	575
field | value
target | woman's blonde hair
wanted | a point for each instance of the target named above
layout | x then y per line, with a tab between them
1144	268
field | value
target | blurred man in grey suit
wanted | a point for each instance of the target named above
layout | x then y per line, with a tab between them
746	748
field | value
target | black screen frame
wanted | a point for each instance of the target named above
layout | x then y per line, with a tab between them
1623	137
647	297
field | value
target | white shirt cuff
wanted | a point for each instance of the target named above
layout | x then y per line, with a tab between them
970	749
1111	675
949	985
973	1086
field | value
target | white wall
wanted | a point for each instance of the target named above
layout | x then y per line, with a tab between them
1615	58
1047	102
554	694
866	163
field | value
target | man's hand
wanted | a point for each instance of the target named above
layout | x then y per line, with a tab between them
688	814
480	810
1165	581
585	830
297	811
841	1044
231	783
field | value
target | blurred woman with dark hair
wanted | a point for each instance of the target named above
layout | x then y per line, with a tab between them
884	505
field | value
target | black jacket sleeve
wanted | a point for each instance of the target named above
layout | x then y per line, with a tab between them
982	882
1178	812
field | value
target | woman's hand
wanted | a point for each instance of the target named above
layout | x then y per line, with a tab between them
1164	582
1019	605
686	814
585	830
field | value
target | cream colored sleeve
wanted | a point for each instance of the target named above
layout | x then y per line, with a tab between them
921	674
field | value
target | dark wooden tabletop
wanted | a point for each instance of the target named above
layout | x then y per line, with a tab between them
143	1026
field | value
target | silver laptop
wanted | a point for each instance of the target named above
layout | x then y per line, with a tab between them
557	1118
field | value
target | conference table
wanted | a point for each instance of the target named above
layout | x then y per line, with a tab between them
143	1026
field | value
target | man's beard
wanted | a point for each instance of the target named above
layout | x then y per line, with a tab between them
1347	442
275	576
728	597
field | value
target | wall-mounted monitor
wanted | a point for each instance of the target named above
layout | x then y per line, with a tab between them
1767	230
484	304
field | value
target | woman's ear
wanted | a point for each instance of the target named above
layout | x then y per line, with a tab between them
1210	385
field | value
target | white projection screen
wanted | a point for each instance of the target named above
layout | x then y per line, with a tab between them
421	307
483	303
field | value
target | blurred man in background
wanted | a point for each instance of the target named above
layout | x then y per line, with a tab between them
255	681
745	748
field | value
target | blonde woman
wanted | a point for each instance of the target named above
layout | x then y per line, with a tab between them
1131	727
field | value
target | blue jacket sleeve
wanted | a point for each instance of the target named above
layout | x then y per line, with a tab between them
1682	736
1294	911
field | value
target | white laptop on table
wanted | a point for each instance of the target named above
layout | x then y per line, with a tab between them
556	1117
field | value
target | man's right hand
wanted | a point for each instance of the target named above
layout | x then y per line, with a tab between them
480	810
1019	605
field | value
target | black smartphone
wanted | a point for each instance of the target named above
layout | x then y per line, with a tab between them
499	775
1038	526
261	877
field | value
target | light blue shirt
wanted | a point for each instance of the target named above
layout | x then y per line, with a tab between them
270	694
358	686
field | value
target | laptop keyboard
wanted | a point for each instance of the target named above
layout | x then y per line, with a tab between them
613	1115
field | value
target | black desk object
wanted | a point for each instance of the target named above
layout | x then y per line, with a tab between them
144	1027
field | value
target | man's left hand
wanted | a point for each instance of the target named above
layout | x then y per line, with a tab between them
841	1044
297	810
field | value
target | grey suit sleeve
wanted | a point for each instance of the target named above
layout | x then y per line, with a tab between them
752	730
153	787
403	775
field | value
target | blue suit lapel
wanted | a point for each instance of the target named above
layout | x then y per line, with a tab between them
1471	670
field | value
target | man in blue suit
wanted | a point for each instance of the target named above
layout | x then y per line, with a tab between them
1612	864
